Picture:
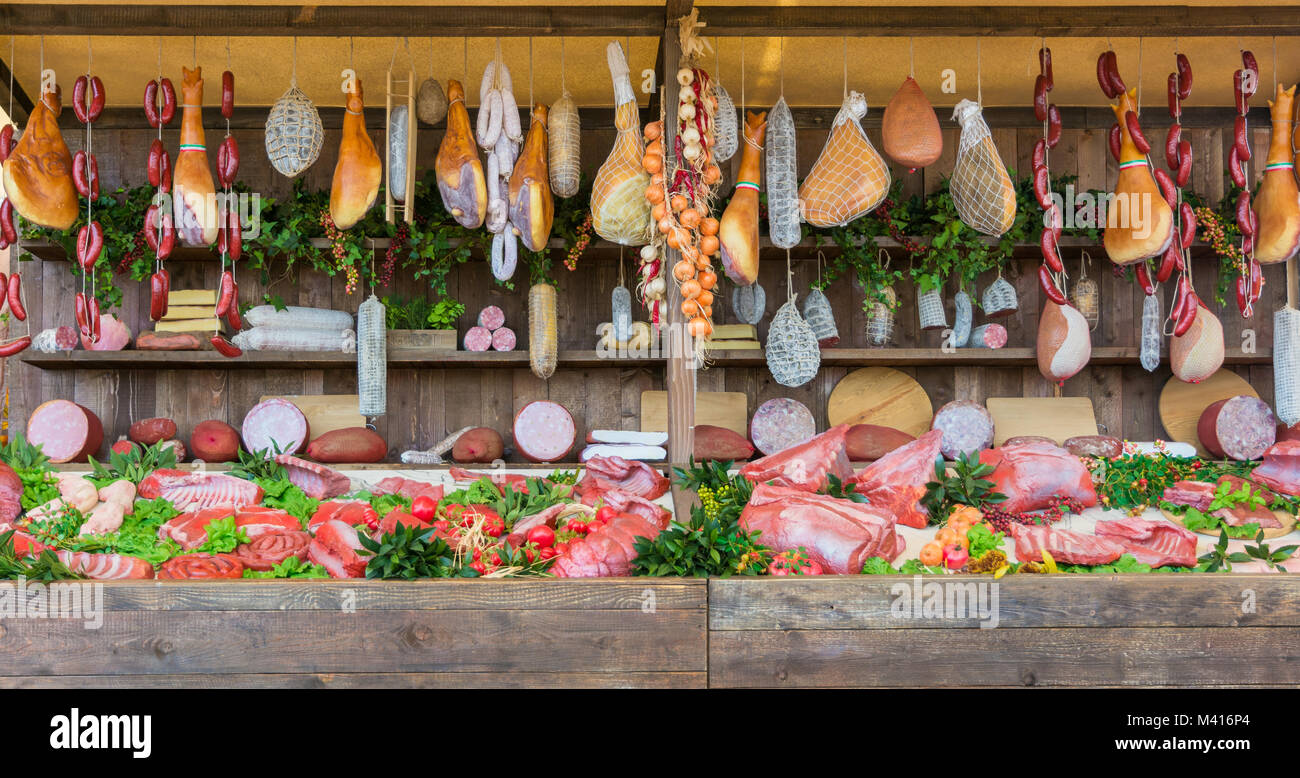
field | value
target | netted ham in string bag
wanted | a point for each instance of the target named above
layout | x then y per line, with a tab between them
1286	364
929	310
782	184
294	134
619	211
564	136
849	178
999	298
980	187
880	322
372	358
817	312
793	355
726	121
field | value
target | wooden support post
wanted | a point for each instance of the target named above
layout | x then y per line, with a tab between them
679	372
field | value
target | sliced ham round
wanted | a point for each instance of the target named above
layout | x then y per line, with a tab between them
781	423
544	431
65	431
967	428
276	426
503	339
105	567
1241	428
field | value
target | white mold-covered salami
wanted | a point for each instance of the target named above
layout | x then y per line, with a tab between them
1151	334
276	426
65	431
781	423
988	336
491	318
503	339
1241	428
967	428
478	339
544	431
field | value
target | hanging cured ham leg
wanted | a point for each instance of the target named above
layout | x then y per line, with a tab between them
910	127
1278	201
1139	221
738	231
619	211
460	172
194	202
359	169
38	173
849	178
531	207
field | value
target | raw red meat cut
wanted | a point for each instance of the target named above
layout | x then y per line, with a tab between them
24	544
895	483
266	551
544	431
1197	494
189	530
65	431
408	487
202	566
11	494
1032	474
1091	446
256	521
805	466
105	567
501	480
335	548
607	551
1242	514
316	480
397	518
719	443
869	442
1280	470
624	502
967	428
350	512
781	423
1065	546
1155	542
193	489
632	476
276	426
840	535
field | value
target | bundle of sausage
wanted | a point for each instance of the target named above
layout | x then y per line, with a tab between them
490	332
295	328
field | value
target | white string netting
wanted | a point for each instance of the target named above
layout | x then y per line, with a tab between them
849	178
372	358
981	189
817	312
294	134
1149	354
1286	364
999	298
880	322
564	139
793	356
619	211
782	183
930	312
726	126
397	140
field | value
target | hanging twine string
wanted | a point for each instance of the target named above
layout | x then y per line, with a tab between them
911	57
465	63
563	87
844	57
789	276
979	74
1139	97
194	50
742	75
530	76
293	78
781	51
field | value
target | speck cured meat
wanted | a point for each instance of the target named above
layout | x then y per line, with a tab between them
503	339
266	551
195	490
197	566
781	423
105	567
317	481
544	431
478	339
1198	353
869	442
1241	428
1034	476
714	444
147	432
350	444
275	425
967	428
491	318
1064	343
65	431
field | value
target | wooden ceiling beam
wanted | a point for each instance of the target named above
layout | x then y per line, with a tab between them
1050	20
332	21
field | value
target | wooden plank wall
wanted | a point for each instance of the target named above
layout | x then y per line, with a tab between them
1124	396
426	404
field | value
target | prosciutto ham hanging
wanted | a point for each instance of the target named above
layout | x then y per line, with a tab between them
981	188
531	207
619	210
359	169
849	178
1139	221
194	196
738	230
459	170
1278	201
38	172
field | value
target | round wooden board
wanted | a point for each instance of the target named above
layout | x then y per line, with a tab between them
883	396
1288	523
1181	403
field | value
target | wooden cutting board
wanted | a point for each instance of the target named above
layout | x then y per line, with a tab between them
883	396
1058	418
326	412
719	409
1288	521
1181	403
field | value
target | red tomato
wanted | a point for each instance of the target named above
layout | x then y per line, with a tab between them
478	568
547	553
542	535
424	507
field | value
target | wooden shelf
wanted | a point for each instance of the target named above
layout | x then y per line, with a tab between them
962	357
131	359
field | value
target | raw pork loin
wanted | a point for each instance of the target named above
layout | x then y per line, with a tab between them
1155	542
1280	470
1032	474
608	551
634	477
840	535
1065	546
199	490
807	465
895	483
335	548
317	481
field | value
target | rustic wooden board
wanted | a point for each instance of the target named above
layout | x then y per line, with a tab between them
882	396
395	680
326	412
1181	403
1058	418
719	409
